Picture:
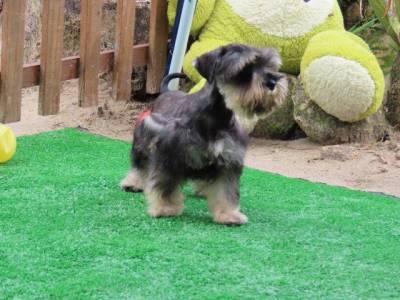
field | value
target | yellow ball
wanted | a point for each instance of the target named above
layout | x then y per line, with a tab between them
8	144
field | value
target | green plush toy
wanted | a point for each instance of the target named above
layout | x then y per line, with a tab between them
337	69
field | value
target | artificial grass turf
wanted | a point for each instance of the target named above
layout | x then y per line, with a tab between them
67	231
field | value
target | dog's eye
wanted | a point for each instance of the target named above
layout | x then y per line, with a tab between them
271	81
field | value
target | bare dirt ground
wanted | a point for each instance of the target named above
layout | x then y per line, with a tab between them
370	167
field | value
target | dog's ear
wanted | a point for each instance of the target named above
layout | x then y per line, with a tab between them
207	63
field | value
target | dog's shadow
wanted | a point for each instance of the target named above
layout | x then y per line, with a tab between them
193	218
192	214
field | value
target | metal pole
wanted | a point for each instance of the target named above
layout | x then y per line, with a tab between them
182	39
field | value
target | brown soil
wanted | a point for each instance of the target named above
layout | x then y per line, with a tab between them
370	167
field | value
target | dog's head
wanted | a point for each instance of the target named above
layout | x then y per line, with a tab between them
247	77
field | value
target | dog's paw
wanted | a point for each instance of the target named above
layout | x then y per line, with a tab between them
230	218
133	182
130	184
165	211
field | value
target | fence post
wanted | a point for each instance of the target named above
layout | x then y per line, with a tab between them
91	14
51	56
12	58
157	45
123	63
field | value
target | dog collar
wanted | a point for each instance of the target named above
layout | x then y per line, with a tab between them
143	115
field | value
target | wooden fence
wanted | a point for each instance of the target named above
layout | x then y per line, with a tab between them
53	68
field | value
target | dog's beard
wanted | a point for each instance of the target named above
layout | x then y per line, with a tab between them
253	102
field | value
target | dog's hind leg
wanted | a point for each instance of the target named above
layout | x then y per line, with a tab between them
164	196
223	201
134	182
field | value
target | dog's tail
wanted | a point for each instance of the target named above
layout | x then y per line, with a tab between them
167	79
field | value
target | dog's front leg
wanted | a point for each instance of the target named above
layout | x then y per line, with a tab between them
223	200
164	196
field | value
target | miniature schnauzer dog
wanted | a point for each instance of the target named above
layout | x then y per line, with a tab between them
202	137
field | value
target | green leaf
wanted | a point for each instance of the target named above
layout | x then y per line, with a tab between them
379	9
397	7
356	29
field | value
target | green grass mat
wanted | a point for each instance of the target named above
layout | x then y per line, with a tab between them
67	231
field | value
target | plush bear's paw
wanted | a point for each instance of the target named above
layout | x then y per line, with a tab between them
342	76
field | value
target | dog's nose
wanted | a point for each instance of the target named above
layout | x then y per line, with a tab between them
271	83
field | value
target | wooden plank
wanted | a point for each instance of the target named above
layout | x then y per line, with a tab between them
12	57
70	65
157	45
51	56
125	28
91	11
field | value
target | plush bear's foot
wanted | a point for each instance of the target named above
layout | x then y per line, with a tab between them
342	76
